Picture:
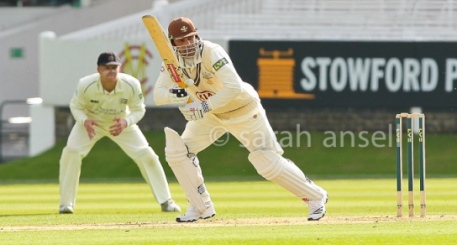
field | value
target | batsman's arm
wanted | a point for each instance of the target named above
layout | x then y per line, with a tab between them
162	89
226	73
175	74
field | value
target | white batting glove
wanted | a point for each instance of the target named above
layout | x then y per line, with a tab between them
195	110
178	95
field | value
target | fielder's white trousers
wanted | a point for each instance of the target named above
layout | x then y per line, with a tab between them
131	141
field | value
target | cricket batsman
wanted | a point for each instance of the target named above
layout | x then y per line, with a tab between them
221	103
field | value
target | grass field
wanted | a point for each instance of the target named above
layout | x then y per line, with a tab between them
115	206
359	211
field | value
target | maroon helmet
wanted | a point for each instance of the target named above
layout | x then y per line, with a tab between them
181	27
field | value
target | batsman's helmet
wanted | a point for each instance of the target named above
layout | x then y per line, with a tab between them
181	27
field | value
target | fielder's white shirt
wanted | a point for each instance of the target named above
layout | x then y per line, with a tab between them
91	101
216	81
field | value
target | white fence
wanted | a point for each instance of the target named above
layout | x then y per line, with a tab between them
298	20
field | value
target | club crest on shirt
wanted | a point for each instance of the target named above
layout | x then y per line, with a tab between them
207	75
123	101
219	64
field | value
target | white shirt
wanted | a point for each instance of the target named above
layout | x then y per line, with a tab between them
217	82
91	101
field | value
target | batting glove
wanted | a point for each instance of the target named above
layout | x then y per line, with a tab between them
195	110
178	95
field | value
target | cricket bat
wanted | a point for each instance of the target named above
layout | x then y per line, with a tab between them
165	49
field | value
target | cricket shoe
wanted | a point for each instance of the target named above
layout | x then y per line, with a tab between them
170	206
193	215
317	208
65	210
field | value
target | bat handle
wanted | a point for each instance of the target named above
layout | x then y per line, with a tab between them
180	92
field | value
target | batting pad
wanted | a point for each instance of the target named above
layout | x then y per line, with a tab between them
285	173
187	170
69	172
152	171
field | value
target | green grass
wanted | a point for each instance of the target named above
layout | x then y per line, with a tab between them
359	211
115	206
346	159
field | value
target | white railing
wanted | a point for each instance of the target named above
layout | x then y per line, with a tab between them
297	19
203	13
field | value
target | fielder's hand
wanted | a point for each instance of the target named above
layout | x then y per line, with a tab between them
89	125
195	110
118	126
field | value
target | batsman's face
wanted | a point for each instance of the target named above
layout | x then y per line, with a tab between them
186	46
108	73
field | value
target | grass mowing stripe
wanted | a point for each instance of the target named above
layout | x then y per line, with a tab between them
389	233
359	212
339	161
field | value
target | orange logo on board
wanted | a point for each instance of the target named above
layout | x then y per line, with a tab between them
276	75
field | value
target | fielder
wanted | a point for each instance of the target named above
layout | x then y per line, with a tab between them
109	103
222	103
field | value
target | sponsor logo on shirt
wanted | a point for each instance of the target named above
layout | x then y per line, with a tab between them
204	95
108	111
123	101
219	64
94	101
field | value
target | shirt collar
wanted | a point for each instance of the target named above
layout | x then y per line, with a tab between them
119	87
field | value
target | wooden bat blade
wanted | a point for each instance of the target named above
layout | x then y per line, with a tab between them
160	39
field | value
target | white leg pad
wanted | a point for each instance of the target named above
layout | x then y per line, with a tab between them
152	171
187	170
285	173
69	172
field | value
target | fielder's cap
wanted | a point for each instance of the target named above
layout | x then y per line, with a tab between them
181	27
108	58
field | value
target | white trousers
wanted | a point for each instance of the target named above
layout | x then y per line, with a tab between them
131	141
253	131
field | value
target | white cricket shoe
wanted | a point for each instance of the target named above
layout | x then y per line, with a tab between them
170	206
65	210
317	208
193	215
